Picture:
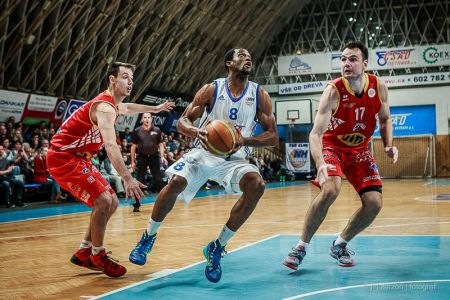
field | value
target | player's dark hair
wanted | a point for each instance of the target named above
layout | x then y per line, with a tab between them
229	56
113	68
360	46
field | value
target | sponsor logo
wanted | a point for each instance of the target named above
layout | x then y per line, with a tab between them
349	105
91	179
374	167
431	55
297	65
352	139
85	196
85	171
11	103
60	109
371	93
179	102
395	57
359	126
334	123
371	178
221	97
345	97
364	156
399	119
298	158
249	100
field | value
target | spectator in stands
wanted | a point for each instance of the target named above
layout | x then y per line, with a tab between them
22	160
3	132
35	143
125	146
41	175
17	136
107	170
170	158
11	189
126	135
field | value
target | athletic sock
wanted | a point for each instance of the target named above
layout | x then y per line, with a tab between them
302	243
85	244
97	250
225	235
340	240
152	227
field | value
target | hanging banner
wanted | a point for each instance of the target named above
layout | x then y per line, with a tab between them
379	59
74	104
41	103
412	120
391	81
12	104
124	121
298	157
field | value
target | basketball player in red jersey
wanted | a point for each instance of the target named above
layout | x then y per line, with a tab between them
68	160
344	124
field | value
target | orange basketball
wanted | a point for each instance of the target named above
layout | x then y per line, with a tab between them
222	137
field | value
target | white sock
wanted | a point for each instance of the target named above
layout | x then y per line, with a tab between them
340	240
302	243
85	244
152	227
225	235
97	250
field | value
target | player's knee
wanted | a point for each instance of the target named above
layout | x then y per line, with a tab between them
177	184
253	183
374	205
103	202
330	193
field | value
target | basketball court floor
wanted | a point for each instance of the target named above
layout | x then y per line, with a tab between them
405	254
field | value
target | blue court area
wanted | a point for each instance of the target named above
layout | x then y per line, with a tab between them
73	208
387	267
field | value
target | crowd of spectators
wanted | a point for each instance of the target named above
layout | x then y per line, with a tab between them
23	150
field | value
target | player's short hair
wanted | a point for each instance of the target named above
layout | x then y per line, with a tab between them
360	46
113	68
229	56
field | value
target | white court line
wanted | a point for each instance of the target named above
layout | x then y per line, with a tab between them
362	286
178	270
248	223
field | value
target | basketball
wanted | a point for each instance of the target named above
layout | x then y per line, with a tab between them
222	137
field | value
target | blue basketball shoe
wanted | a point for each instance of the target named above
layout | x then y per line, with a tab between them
342	255
213	253
295	257
139	254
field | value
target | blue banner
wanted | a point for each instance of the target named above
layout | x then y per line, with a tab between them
74	104
412	120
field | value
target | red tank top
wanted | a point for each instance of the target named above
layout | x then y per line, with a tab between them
78	133
355	118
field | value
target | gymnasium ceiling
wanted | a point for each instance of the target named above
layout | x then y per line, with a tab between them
62	48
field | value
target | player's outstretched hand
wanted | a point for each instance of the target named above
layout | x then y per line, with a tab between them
322	173
166	106
133	189
392	152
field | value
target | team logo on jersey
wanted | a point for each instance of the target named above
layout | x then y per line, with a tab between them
374	167
85	171
371	93
344	97
334	123
359	126
85	196
221	97
352	139
349	105
249	100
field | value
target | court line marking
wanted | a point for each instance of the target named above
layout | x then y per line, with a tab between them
248	223
178	270
362	286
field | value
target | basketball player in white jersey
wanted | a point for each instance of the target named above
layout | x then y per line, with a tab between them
242	103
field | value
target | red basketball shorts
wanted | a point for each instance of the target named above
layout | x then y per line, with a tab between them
77	175
359	166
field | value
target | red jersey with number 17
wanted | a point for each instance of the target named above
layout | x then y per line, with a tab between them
355	118
78	133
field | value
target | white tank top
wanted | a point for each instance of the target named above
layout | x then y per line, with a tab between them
239	111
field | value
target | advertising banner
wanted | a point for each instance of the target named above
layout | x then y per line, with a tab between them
379	59
412	120
124	121
391	81
74	104
12	104
298	157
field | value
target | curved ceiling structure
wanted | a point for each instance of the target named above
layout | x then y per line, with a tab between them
62	48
